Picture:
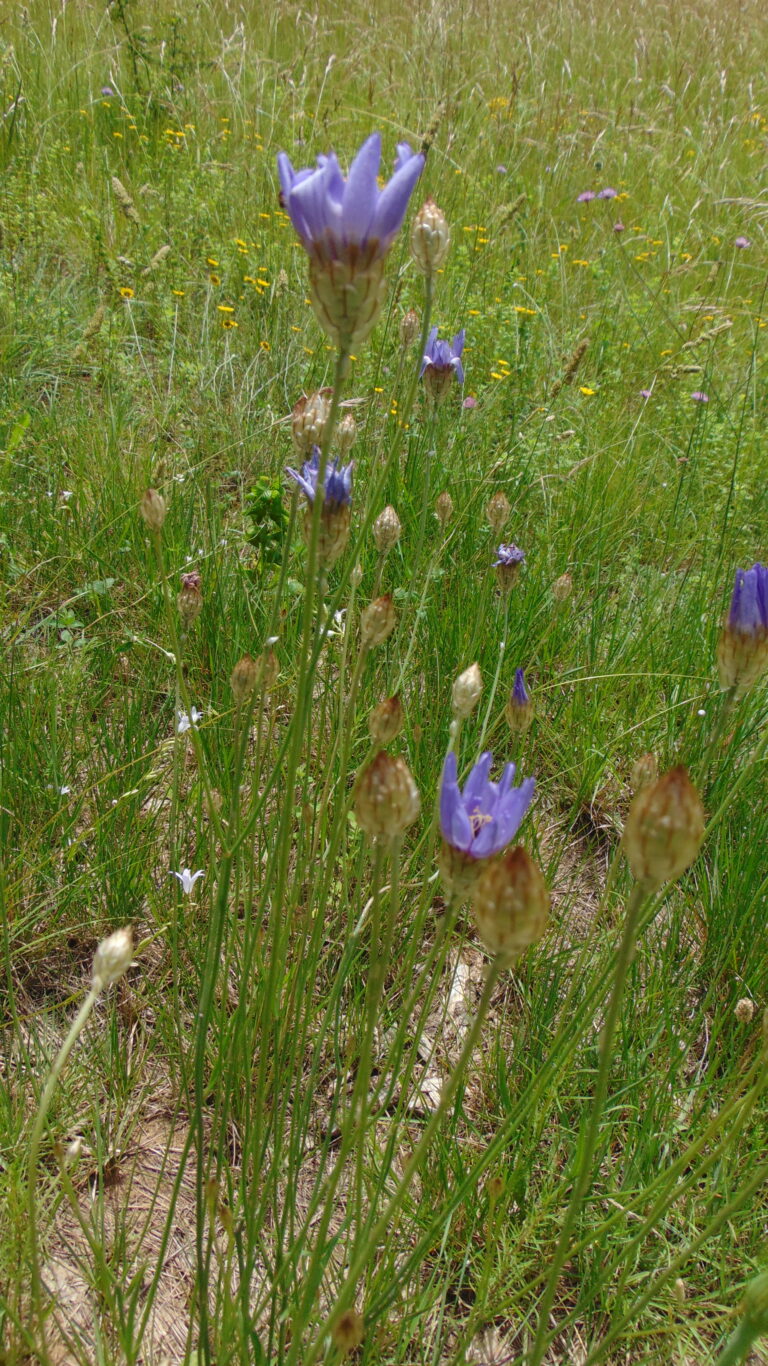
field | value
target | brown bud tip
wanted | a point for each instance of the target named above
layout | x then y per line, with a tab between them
387	530
410	327
348	1331
466	692
444	509
430	238
152	508
386	797
497	512
562	587
346	433
664	829
377	621
645	770
744	1010
386	721
510	904
190	599
112	958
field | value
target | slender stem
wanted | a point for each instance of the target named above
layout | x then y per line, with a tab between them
738	1345
497	675
586	1151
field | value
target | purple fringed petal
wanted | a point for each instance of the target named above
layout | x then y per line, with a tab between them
286	173
749	603
457	345
477	781
361	192
393	201
454	821
459	370
403	155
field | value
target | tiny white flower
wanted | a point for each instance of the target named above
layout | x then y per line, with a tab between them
66	494
271	640
64	790
187	878
186	721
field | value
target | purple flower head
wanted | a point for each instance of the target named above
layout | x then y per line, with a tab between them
444	355
509	555
742	243
338	481
485	817
700	397
107	90
646	393
470	401
333	215
501	170
586	197
749	603
607	193
618	226
519	690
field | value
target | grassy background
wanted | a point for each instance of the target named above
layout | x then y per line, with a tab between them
122	368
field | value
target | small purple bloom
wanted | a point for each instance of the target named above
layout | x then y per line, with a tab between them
699	397
607	193
470	401
742	243
509	555
338	481
107	90
646	393
618	226
519	690
483	819
749	603
333	215
586	197
501	170
444	355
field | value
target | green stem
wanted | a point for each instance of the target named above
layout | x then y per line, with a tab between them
497	675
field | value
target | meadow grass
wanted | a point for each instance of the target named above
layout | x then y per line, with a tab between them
246	1102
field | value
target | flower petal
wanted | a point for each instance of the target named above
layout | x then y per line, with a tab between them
393	200
361	192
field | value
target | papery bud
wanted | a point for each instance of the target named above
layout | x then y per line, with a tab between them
243	679
519	708
742	651
744	1010
309	419
348	1331
645	770
356	575
387	530
466	692
267	669
510	904
112	958
377	621
562	587
430	237
347	296
346	433
664	829
444	508
458	871
410	327
385	722
190	599
152	508
334	531
498	511
386	798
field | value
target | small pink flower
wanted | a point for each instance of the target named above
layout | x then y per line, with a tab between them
469	402
742	242
699	397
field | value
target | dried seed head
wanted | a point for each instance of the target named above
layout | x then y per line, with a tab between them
348	1331
377	621
466	692
430	238
309	418
444	508
497	512
410	327
386	797
510	904
152	508
243	679
346	433
744	1010
645	770
385	722
190	599
562	587
387	529
664	829
112	958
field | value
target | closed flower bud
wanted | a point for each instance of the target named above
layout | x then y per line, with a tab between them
309	418
742	651
664	829
510	904
410	327
267	669
385	722
334	531
458	871
744	1010
562	587
386	798
645	770
466	692
430	238
346	433
497	512
444	508
112	958
348	1331
152	508
387	530
243	679
377	621
190	599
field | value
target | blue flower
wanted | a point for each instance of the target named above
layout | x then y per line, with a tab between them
749	603
338	481
509	556
334	216
519	690
444	356
483	819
